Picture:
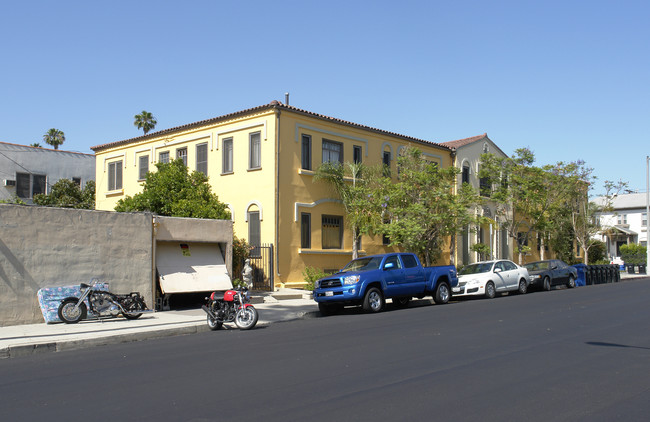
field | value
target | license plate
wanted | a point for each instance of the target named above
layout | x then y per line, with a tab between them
330	293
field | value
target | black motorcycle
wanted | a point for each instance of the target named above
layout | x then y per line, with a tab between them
102	304
230	306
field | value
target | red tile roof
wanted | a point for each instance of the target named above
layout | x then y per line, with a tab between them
466	141
272	105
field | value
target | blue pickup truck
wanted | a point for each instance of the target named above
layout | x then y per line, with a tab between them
370	280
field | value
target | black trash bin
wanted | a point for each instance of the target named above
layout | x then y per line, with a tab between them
642	269
630	268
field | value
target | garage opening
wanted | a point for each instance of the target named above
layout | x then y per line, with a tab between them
187	272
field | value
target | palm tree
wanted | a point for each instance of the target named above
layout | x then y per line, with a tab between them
54	137
35	145
145	121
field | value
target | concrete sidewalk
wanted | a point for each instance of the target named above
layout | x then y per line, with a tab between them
22	340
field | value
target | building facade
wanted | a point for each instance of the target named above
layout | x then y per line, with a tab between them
26	171
626	222
261	162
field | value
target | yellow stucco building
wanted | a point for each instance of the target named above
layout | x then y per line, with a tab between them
261	163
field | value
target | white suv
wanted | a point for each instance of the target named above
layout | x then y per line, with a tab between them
488	278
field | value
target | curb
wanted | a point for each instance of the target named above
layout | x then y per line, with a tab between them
68	345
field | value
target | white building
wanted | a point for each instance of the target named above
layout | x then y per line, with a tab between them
627	222
26	171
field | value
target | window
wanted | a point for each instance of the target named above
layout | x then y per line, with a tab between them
182	154
332	232
465	176
28	185
305	156
115	175
255	147
163	157
202	158
144	167
332	152
76	181
305	230
393	260
38	184
356	154
622	219
23	185
409	261
254	229
386	161
484	186
227	156
385	240
644	219
509	266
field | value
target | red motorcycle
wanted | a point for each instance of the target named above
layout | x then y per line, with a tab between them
231	306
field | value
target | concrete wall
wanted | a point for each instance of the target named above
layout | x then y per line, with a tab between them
49	247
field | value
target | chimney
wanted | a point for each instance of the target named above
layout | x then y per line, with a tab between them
286	98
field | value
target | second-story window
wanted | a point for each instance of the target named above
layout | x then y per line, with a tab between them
465	175
305	156
356	154
332	152
115	175
227	156
163	157
182	154
255	147
386	161
143	167
332	232
202	158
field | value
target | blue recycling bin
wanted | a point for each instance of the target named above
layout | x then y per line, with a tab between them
582	274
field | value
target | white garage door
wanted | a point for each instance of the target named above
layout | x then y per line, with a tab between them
191	267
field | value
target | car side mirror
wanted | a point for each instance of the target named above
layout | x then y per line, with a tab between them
389	266
497	270
554	267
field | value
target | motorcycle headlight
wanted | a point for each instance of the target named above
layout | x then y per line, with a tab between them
351	279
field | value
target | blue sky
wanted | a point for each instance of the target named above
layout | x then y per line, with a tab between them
568	79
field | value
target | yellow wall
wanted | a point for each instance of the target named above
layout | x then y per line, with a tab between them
242	189
280	174
299	193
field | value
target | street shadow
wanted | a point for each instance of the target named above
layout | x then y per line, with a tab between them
604	344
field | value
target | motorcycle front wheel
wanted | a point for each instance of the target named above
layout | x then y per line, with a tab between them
134	306
214	324
69	313
246	318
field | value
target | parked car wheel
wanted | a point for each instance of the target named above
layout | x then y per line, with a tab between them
490	291
373	301
572	282
523	287
547	284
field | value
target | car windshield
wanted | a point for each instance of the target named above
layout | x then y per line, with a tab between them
537	266
482	267
363	264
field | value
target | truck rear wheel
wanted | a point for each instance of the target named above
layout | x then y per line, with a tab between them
373	300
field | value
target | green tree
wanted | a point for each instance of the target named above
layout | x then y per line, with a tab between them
352	189
145	121
35	145
420	211
524	194
67	194
54	137
173	191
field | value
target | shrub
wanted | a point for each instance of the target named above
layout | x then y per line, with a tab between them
311	275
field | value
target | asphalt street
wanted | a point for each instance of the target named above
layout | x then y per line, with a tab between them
566	355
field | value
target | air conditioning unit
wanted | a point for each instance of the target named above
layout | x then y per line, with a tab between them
10	182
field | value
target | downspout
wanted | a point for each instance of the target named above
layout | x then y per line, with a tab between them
277	194
154	230
452	242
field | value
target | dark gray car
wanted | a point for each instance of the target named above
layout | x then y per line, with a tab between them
552	272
